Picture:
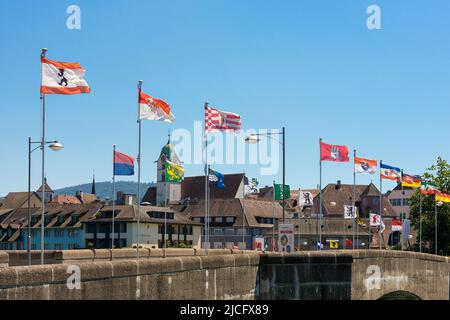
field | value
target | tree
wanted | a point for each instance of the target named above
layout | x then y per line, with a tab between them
438	174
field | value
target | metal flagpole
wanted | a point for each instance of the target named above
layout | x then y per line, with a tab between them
435	227
113	198
381	207
43	52
420	222
401	208
243	215
206	185
139	171
29	201
273	216
165	217
354	199
320	198
299	195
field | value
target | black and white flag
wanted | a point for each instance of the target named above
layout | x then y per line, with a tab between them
306	199
350	212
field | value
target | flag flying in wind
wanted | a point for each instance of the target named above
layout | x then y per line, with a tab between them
388	172
396	225
216	120
444	197
365	165
174	172
280	195
123	164
330	152
411	181
154	109
218	178
62	77
428	188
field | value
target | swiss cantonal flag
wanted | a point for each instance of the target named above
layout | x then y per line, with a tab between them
330	152
62	78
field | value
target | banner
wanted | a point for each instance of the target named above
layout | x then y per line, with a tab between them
305	199
286	238
350	212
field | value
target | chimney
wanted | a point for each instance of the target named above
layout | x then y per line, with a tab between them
338	185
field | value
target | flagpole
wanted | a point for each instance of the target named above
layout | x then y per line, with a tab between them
113	198
43	52
243	214
139	170
320	198
381	204
206	185
420	221
435	227
299	195
401	208
273	216
354	198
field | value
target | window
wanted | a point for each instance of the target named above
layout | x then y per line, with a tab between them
33	246
123	228
219	219
229	231
75	218
230	219
103	228
72	233
47	233
73	246
60	219
91	228
217	231
59	246
59	233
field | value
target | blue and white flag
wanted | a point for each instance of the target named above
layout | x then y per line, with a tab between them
218	178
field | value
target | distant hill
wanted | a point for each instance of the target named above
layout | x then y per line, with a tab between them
104	189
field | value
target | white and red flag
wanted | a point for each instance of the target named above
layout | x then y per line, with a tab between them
331	152
62	77
154	109
365	165
396	225
216	120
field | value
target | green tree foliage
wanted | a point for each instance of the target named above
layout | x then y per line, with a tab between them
438	174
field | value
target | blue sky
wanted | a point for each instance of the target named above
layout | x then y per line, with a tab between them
311	66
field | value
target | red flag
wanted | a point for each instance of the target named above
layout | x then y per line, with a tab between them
216	120
330	152
348	243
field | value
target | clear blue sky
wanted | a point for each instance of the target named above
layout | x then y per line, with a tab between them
311	66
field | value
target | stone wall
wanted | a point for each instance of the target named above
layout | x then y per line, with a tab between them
223	274
20	257
231	276
376	273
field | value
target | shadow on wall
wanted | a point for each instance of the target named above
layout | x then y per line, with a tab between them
302	277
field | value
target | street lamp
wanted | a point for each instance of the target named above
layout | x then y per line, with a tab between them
254	138
436	205
55	146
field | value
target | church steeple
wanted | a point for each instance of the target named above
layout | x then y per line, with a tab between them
93	184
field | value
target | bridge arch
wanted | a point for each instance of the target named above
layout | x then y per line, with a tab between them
399	295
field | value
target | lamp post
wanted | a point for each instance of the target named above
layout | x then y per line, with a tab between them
436	205
55	146
254	138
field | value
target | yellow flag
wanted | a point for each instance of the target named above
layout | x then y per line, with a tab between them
444	197
334	244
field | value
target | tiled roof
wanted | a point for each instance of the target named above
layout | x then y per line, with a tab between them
194	187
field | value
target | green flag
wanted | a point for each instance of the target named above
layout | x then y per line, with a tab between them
278	195
174	172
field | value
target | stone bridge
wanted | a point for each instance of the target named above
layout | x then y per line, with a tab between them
223	274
